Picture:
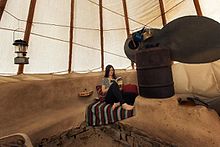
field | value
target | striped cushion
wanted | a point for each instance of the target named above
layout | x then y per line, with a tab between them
101	95
100	113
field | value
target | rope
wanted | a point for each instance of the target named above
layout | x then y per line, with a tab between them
61	40
97	29
159	16
116	12
64	26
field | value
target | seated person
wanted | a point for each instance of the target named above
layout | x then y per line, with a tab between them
112	91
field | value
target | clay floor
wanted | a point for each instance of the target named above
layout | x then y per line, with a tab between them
45	106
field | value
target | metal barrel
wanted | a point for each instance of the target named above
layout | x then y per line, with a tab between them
154	73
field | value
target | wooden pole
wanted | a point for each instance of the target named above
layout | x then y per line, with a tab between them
2	7
28	29
197	6
126	17
71	36
101	34
164	21
127	23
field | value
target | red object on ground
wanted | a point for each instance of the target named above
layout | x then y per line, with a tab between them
130	88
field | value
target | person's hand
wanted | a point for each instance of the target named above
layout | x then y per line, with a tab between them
106	90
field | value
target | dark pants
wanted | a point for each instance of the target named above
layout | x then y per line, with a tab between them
129	97
114	95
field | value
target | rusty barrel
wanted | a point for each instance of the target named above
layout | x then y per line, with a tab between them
154	73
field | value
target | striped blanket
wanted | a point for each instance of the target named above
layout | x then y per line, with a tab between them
100	113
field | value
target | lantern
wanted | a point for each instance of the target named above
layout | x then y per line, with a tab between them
21	50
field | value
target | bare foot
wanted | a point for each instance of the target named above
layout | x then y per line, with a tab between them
115	105
127	107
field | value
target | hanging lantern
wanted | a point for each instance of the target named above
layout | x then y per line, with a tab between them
21	50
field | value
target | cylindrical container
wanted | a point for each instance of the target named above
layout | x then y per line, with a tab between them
154	73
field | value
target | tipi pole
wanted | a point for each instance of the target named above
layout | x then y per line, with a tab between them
127	23
28	29
71	36
101	34
162	12
197	6
2	7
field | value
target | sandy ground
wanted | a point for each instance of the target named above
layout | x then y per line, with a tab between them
42	108
181	125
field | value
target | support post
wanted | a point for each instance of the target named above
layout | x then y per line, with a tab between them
2	7
127	23
197	7
28	29
164	21
101	34
71	36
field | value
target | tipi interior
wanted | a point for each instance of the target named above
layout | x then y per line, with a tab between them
69	44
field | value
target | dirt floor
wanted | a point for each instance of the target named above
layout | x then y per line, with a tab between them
156	123
117	135
43	108
181	125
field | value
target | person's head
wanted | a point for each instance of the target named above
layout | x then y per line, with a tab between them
110	71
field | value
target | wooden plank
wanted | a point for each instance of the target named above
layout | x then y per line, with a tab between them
71	36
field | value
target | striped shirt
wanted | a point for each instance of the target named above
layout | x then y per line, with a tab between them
106	82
